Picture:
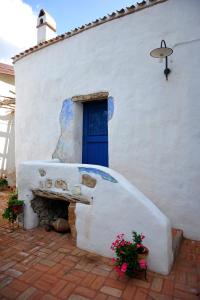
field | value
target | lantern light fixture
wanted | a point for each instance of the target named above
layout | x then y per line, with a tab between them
163	52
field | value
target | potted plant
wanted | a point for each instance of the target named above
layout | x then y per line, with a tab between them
3	183
128	260
14	208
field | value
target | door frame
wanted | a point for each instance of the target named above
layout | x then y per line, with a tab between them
78	120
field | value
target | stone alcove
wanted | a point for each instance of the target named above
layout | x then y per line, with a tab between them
50	205
49	210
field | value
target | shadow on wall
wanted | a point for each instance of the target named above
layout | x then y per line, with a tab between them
7	145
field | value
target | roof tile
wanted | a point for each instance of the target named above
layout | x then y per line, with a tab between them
6	69
120	13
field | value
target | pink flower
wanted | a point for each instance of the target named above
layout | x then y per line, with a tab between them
120	236
138	246
120	273
142	263
124	267
142	236
113	260
122	252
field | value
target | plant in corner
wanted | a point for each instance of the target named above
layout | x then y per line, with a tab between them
128	260
3	183
13	209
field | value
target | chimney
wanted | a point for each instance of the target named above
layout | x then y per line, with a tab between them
46	27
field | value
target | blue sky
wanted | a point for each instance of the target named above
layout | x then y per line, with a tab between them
20	34
73	13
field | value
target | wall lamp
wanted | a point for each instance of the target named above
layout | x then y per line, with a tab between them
163	52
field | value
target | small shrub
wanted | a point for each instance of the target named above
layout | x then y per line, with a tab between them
128	258
13	209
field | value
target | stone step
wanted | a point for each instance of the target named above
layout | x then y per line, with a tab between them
177	236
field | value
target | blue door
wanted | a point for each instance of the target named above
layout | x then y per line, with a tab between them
95	133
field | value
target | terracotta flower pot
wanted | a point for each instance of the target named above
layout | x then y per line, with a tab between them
60	225
144	253
17	209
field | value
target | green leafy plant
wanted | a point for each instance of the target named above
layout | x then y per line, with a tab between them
138	242
128	260
3	182
14	208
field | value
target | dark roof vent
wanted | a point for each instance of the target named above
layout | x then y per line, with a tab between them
42	13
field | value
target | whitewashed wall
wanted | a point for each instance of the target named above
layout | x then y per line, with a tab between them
7	132
154	135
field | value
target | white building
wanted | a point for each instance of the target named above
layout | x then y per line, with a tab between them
7	120
153	135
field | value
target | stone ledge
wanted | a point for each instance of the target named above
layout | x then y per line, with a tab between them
66	196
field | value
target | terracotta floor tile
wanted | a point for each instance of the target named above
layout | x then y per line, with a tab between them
97	283
88	280
157	284
42	285
5	281
101	296
77	297
67	291
48	297
115	283
129	292
36	264
86	292
158	296
187	288
9	293
27	294
168	287
18	285
111	291
185	296
58	287
141	294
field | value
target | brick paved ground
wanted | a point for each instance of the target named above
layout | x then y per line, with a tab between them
45	265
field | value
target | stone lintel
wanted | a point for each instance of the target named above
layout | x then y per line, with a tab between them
60	196
91	97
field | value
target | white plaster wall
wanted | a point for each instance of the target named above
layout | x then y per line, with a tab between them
7	132
98	224
154	135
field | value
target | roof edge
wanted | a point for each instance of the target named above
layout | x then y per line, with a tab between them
113	16
6	69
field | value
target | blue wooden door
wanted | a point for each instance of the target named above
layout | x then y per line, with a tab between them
95	133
